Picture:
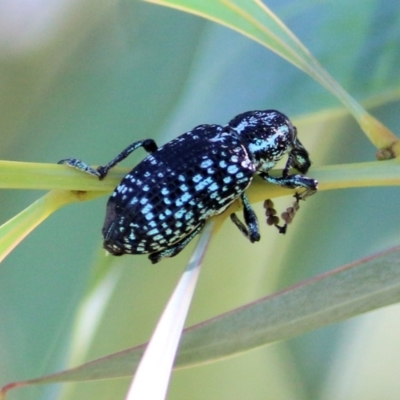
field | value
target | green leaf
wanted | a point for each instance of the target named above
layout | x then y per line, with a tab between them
48	176
17	228
151	379
335	296
23	175
255	20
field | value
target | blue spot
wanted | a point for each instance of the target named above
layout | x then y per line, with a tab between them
207	163
149	216
213	187
180	213
197	178
232	169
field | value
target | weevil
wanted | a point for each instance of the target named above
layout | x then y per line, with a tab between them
164	202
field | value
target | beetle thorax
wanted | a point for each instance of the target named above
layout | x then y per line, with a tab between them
267	136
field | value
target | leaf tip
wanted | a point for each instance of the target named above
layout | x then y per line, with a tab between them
387	153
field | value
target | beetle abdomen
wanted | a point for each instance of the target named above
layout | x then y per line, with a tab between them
167	195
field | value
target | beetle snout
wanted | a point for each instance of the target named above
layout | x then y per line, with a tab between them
301	160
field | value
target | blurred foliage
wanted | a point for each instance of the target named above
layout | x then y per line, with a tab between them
86	78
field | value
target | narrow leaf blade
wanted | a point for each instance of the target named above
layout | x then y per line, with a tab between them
153	374
256	21
17	228
329	298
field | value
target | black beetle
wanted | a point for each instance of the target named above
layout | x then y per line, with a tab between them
164	202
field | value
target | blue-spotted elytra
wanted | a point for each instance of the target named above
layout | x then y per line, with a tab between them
164	202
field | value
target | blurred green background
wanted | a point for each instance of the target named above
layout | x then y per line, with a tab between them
86	78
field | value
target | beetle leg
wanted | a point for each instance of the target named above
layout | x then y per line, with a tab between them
173	250
78	164
149	145
251	232
294	182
